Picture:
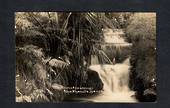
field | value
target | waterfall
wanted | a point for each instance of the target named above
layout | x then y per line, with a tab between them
114	77
94	59
116	83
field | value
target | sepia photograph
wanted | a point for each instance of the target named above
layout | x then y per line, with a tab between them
89	57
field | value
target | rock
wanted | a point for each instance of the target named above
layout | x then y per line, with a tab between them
150	95
57	86
149	91
93	80
57	63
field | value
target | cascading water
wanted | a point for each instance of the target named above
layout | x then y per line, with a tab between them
114	77
116	83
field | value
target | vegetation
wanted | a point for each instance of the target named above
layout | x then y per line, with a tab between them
54	49
120	53
142	33
66	37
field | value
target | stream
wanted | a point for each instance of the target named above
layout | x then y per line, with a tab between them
115	77
116	84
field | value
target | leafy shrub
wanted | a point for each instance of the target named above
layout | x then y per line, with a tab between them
33	76
142	33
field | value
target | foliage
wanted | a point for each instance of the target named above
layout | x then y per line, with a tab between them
34	76
142	33
120	19
66	35
119	53
55	48
142	27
